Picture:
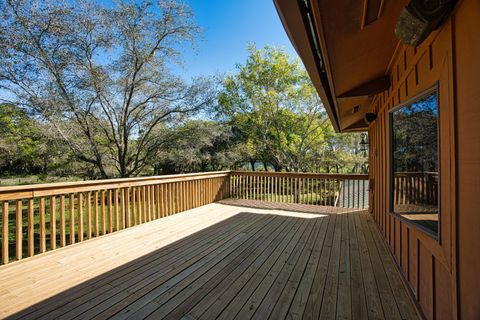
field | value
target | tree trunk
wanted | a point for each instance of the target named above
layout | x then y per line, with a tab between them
252	164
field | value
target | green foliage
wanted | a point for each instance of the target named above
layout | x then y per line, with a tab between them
27	147
197	145
21	145
415	135
267	113
274	105
99	75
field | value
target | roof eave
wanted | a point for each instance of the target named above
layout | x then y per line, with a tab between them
292	18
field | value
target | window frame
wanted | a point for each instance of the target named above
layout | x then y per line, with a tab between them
425	93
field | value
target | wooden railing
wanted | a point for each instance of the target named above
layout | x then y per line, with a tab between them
339	190
416	188
37	218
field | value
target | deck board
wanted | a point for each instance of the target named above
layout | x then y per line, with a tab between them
220	261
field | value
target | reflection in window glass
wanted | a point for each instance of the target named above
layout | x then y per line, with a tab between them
415	161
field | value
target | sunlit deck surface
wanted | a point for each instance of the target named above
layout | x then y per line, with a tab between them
217	262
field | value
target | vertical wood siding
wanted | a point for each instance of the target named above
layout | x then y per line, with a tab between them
426	262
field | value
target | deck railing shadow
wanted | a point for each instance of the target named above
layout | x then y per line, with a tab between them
158	272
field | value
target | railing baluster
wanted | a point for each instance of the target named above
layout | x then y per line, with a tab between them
19	230
80	216
170	198
149	203
95	213
233	187
358	193
289	190
258	187
110	213
183	191
126	202
72	218
146	205
348	189
144	215
305	191
161	200
134	206
275	189
43	242
312	191
30	229
329	192
5	232
140	205
53	222
334	191
156	202
263	188
363	194
115	210
178	196
138	213
88	208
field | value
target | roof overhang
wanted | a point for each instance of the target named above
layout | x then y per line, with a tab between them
346	47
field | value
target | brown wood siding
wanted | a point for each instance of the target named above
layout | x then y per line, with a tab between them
428	264
467	65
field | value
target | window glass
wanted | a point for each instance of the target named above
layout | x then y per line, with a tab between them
415	161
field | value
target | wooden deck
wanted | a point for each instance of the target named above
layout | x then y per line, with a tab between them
217	262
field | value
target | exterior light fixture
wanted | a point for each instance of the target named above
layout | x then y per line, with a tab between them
419	18
370	117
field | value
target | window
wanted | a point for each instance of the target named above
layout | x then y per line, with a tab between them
415	161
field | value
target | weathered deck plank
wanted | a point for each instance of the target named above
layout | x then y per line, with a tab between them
217	262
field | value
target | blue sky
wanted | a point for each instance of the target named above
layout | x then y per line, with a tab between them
228	26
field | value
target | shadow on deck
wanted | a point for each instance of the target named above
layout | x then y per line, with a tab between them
217	262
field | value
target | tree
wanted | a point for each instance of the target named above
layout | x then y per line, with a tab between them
198	145
99	75
273	103
25	146
343	153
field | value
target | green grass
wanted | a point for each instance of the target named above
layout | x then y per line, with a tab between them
12	223
303	198
34	179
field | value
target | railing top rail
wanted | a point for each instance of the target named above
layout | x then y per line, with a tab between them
342	176
47	189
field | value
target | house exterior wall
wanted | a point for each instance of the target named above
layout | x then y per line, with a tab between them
443	273
467	73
